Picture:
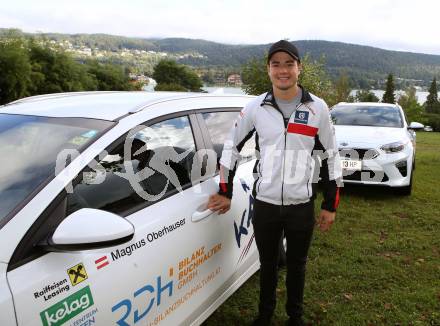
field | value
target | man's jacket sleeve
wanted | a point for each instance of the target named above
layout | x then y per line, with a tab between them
331	171
242	130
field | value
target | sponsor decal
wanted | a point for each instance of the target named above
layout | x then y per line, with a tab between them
188	266
101	262
152	295
301	117
147	299
184	297
150	237
66	309
77	274
164	231
52	290
128	251
242	229
246	248
86	320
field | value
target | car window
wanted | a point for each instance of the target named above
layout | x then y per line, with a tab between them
34	148
359	115
148	164
219	125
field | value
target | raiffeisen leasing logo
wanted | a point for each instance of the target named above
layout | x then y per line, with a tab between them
68	308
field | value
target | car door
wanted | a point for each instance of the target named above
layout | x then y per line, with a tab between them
217	124
177	261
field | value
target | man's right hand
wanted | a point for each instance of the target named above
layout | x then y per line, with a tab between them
219	203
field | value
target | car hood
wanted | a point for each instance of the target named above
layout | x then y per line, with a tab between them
363	136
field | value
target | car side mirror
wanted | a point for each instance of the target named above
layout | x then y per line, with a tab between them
90	228
415	126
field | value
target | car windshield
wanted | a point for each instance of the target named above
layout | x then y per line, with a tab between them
361	115
29	149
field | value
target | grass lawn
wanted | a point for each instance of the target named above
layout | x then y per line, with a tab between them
379	265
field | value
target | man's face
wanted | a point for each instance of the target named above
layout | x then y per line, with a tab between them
283	71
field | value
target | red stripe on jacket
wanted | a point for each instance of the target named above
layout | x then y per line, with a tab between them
299	128
337	199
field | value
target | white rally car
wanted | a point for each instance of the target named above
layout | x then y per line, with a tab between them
376	144
103	216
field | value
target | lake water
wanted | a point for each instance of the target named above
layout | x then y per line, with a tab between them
421	96
224	90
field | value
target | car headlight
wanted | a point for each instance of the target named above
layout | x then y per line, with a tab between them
394	147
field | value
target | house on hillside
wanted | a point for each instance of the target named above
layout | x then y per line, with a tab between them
234	80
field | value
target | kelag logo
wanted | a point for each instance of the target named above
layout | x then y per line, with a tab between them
68	308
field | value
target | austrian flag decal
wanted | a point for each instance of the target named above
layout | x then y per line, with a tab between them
101	262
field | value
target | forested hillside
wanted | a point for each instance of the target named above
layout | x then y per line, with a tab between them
366	66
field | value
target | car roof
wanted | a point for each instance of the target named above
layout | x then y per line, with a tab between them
379	104
97	105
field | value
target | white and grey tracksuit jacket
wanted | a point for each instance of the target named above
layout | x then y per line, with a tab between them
287	151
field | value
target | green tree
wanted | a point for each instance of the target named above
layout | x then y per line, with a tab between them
366	96
15	70
110	77
388	96
55	71
28	67
408	101
171	74
432	104
314	78
342	89
254	76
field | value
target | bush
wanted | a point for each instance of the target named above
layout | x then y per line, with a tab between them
170	87
433	120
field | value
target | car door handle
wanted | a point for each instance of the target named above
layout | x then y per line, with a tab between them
197	216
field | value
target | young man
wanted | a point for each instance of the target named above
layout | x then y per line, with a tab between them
290	123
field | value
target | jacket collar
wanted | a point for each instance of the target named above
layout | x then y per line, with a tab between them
269	99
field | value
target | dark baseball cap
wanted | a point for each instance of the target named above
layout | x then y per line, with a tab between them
284	46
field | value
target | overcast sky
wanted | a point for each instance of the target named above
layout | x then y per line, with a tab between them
389	24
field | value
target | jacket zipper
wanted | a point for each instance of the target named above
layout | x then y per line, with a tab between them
284	151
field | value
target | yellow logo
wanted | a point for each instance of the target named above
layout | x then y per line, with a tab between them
77	274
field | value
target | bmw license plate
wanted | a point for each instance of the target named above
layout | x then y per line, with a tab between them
351	165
